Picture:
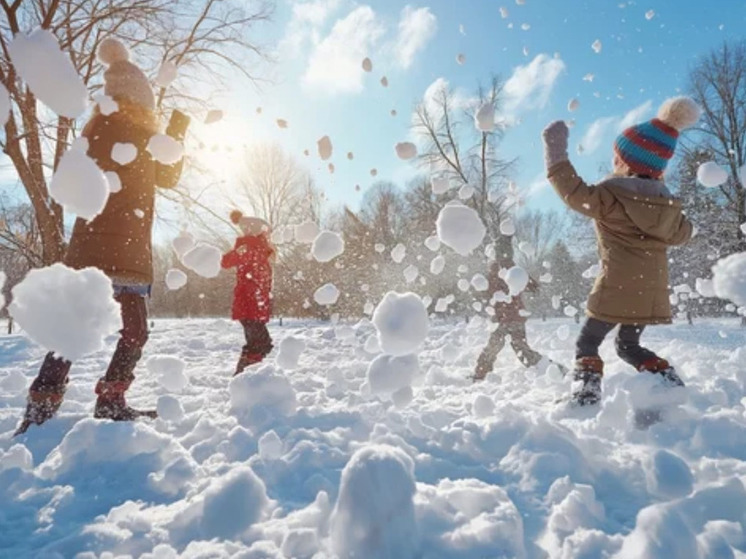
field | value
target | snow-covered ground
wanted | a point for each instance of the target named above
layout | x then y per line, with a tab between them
305	462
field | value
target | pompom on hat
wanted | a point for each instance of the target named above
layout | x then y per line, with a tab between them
122	79
646	148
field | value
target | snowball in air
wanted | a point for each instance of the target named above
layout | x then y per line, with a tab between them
367	65
406	150
327	246
167	73
729	278
398	253
213	116
517	280
484	119
402	323
461	59
204	260
596	46
711	174
123	153
440	184
325	148
460	228
306	232
183	243
79	185
326	294
175	279
573	105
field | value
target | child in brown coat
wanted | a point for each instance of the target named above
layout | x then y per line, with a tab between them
636	220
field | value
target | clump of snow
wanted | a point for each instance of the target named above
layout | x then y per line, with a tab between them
106	104
573	105
373	172
570	311
282	123
327	246
50	300
437	264
592	272
461	59
165	149
466	192
729	278
384	81
123	153
463	285
440	184
167	73
169	408
483	406
306	232
398	253
270	446
327	294
711	175
325	148
291	349
115	183
17	456
479	282
460	228
507	227
213	116
78	184
402	323
262	396
432	243
175	279
367	65
169	371
504	12
374	516
705	287
588	77
484	118
410	273
406	150
388	374
517	280
3	277
650	14
203	260
49	72
667	476
183	243
4	105
596	46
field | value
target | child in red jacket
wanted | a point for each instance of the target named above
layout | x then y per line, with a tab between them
252	256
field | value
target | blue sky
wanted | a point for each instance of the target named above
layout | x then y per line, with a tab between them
320	89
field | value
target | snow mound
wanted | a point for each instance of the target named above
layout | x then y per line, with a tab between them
203	260
374	516
460	228
327	294
261	397
711	175
49	300
17	456
406	150
306	232
388	374
517	280
167	73
175	279
402	323
170	372
165	149
123	153
183	243
325	148
729	278
291	349
49	72
484	118
78	184
667	476
327	246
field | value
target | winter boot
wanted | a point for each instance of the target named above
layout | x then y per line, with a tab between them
246	360
41	405
112	405
587	375
658	366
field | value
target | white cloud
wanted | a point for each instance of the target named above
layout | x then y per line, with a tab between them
416	28
599	129
335	64
530	86
305	25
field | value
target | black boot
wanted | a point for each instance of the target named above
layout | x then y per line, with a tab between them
588	373
111	403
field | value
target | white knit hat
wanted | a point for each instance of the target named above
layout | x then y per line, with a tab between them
122	79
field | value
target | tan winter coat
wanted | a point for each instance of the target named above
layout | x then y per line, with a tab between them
118	241
635	223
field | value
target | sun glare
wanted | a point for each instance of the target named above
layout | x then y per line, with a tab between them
218	148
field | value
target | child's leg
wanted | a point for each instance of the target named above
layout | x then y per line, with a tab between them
525	353
486	360
628	346
46	392
591	336
258	344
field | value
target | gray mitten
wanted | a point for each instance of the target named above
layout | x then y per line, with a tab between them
555	143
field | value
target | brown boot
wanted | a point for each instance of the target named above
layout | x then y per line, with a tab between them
41	405
588	372
112	405
661	367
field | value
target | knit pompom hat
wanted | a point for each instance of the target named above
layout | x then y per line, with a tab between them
249	225
122	79
646	148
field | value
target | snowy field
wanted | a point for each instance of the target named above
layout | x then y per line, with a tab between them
315	461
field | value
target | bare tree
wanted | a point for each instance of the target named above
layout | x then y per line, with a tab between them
718	84
204	39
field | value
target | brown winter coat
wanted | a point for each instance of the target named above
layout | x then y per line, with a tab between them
118	241
634	226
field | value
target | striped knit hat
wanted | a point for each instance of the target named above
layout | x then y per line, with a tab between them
646	148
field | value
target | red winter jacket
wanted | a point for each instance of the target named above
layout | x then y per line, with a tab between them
252	299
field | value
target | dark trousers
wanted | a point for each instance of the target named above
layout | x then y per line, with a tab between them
53	374
518	341
627	341
258	340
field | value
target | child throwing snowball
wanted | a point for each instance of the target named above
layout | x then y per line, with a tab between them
636	219
117	241
252	256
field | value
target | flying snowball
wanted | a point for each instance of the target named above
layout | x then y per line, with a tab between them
281	123
165	149
402	323
183	243
175	279
461	59
440	185
507	227
460	228
306	232
167	73
406	150
729	278
291	349
79	185
213	116
325	148
398	253
367	65
650	14
115	183
384	81
326	294
596	46
573	105
327	246
711	174
123	153
484	119
437	264
203	260
517	280
504	13
433	243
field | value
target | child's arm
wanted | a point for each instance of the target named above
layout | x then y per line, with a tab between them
684	231
588	200
230	259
